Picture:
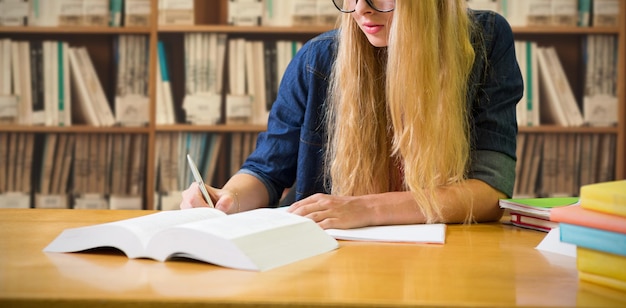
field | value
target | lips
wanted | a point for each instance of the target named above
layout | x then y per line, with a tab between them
371	28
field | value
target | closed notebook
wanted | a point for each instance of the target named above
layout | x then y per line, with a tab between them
607	197
532	222
539	207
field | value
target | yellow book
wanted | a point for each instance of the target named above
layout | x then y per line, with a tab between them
601	263
602	280
607	197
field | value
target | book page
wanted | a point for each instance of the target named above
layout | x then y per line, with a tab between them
146	226
239	225
128	235
422	233
260	239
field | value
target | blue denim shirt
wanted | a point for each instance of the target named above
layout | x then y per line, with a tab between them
292	148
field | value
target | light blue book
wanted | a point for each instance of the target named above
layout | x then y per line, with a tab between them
591	238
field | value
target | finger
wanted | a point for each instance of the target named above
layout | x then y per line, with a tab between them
328	223
225	203
212	193
192	197
317	216
298	205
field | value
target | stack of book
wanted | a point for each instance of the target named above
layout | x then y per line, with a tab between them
534	213
598	229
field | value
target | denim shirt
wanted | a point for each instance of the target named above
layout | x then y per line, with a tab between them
292	148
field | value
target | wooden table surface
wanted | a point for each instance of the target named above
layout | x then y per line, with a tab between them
483	265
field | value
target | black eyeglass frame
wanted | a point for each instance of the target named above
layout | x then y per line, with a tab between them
369	2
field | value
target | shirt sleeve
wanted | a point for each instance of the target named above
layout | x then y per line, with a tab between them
495	169
496	94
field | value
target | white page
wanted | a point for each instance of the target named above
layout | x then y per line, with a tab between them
129	235
552	243
418	233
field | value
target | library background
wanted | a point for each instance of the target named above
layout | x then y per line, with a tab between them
100	100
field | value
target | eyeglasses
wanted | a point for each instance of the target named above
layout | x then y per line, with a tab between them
349	6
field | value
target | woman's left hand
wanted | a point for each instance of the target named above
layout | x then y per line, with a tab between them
335	212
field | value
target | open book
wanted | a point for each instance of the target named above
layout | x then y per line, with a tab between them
257	240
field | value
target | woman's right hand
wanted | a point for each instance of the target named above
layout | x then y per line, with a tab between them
192	197
223	199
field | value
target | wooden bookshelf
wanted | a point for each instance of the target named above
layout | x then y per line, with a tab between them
211	17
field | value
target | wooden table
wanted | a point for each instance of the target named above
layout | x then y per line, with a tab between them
485	265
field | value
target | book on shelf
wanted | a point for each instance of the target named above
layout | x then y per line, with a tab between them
605	13
538	207
21	80
46	13
116	9
565	13
165	102
103	109
204	67
530	161
14	13
57	81
607	197
600	87
567	161
96	13
245	12
137	13
533	12
88	93
558	105
256	240
56	173
176	12
528	108
70	13
37	82
131	93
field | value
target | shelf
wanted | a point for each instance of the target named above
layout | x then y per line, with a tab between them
76	30
245	29
74	129
212	18
566	30
220	128
568	129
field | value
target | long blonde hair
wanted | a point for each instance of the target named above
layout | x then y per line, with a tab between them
398	116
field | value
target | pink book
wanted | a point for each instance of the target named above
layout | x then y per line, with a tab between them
577	215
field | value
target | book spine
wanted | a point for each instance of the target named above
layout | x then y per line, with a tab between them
601	263
36	79
591	238
535	223
115	7
602	280
611	200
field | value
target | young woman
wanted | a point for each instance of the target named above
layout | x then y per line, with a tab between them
405	114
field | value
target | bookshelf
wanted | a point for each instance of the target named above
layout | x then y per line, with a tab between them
211	17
